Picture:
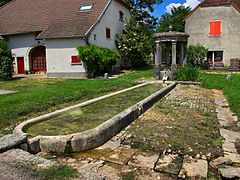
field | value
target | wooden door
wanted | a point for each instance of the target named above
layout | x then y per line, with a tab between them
39	62
20	64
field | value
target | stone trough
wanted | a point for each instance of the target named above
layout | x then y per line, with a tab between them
91	138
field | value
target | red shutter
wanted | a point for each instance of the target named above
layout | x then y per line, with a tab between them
75	59
215	28
108	33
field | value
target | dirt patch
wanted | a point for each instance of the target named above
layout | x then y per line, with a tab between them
185	122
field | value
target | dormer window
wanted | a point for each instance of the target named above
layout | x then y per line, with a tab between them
86	7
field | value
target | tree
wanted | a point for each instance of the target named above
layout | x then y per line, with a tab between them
175	19
98	59
141	12
135	44
5	61
3	2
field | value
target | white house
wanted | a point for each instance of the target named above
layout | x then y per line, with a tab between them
43	34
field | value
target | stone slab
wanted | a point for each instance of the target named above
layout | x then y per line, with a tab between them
219	162
230	136
6	92
234	157
18	155
222	102
10	141
144	159
120	156
195	168
111	144
229	147
169	163
230	172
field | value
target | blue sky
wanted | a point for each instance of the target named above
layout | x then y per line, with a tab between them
167	4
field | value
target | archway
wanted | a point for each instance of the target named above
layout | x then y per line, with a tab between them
37	58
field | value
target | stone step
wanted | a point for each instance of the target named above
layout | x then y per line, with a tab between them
11	141
230	172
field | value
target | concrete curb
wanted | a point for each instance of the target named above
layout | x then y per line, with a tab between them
94	137
188	83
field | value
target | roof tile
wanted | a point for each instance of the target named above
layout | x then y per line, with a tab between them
59	18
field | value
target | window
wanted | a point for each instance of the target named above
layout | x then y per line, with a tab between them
75	60
86	7
215	56
108	33
121	14
215	28
95	37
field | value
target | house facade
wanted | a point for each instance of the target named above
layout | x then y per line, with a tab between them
215	24
43	35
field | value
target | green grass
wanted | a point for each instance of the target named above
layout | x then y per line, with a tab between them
40	96
57	173
231	90
129	175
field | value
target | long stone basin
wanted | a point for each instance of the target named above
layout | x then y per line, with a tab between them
92	138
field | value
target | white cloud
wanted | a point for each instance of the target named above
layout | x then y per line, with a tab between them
191	3
170	6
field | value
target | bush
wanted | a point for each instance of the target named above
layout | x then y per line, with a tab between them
197	55
188	74
5	61
98	59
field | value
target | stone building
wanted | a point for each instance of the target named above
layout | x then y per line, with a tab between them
43	34
215	24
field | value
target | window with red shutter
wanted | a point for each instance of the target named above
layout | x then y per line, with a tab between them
75	60
108	33
215	28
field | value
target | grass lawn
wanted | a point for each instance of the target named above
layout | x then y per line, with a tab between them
40	96
231	90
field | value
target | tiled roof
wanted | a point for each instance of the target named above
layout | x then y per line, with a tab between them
204	3
214	2
56	18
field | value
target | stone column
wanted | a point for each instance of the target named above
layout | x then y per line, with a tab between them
174	56
185	54
181	60
158	60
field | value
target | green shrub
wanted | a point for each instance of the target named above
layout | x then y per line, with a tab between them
98	59
197	55
5	61
188	74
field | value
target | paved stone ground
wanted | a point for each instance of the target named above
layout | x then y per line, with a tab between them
29	76
116	160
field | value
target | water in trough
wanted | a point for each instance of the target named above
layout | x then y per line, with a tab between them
91	116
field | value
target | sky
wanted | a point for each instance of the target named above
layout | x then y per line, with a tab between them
166	6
